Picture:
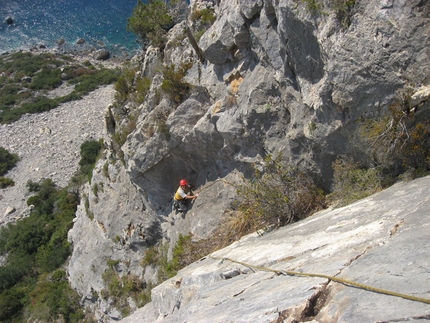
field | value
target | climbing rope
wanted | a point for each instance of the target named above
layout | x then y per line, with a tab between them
213	183
332	278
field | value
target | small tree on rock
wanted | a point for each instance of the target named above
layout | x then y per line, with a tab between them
151	21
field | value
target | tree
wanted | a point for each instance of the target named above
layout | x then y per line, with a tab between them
150	22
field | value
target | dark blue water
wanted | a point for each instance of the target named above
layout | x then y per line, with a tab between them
101	23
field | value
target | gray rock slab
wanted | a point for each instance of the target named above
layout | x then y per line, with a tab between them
381	241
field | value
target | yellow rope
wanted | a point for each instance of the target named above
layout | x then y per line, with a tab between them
213	183
335	279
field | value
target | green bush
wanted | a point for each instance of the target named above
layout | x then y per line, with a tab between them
51	298
342	8
18	97
143	85
34	245
90	82
6	182
46	79
276	196
314	7
399	141
25	63
119	289
352	182
7	161
89	152
130	87
11	302
173	84
39	104
208	16
150	21
124	85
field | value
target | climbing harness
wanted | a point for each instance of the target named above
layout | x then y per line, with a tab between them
332	278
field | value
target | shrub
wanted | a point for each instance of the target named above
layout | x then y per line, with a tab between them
142	89
39	104
16	98
163	128
119	289
399	140
314	7
46	79
179	255
52	298
6	182
128	86
352	182
199	35
33	245
206	16
89	152
124	85
7	161
151	256
276	196
150	21
173	84
90	82
343	9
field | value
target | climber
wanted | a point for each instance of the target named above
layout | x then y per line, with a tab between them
181	196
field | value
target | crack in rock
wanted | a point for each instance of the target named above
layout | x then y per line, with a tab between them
309	308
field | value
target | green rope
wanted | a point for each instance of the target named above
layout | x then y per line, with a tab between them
332	278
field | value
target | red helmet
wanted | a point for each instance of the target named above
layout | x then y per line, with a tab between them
182	182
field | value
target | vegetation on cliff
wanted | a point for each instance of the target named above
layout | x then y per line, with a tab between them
34	248
277	194
33	283
7	162
27	78
152	20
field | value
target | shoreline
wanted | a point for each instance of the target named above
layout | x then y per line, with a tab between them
81	52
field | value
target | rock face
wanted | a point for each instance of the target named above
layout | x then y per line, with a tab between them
274	78
373	242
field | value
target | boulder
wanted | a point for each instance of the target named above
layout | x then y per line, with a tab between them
60	41
9	20
9	210
101	54
26	79
420	95
80	41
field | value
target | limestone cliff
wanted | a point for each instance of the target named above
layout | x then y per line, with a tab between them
267	76
367	262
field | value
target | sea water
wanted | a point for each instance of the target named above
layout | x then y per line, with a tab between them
101	23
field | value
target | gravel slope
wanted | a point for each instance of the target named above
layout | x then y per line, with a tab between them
48	145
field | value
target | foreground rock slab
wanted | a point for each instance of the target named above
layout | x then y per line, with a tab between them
381	241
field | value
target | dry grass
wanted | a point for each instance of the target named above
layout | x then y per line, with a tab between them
235	83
